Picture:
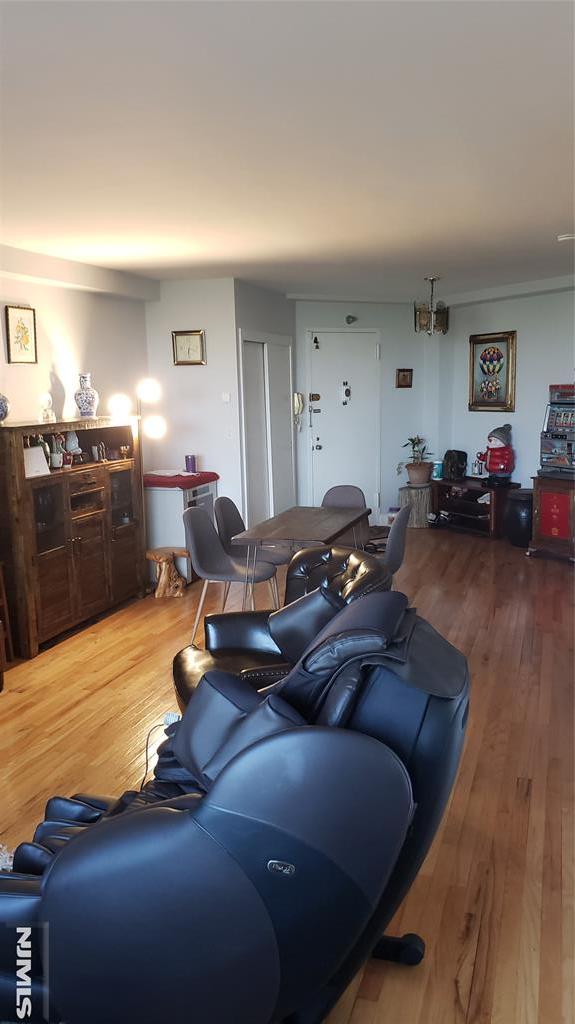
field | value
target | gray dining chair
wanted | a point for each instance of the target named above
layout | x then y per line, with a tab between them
392	550
229	522
214	565
348	496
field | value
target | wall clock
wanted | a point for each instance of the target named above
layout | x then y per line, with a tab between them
189	348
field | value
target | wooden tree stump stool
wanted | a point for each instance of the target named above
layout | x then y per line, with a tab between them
419	499
169	582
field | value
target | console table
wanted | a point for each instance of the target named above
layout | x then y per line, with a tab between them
459	499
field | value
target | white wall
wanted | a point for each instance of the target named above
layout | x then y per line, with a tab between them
545	355
258	309
200	421
404	411
76	331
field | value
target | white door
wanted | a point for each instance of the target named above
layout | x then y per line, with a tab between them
269	470
345	419
255	433
280	427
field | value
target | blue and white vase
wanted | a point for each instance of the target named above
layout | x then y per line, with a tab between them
4	407
86	397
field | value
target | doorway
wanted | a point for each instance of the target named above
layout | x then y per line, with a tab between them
345	412
268	450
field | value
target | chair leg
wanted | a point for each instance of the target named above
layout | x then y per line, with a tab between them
226	592
199	611
273	582
252	597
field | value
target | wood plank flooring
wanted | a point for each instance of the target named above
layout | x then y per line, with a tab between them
495	898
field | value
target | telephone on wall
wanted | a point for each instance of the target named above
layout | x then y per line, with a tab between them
298	402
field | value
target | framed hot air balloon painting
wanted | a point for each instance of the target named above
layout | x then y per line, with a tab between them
492	372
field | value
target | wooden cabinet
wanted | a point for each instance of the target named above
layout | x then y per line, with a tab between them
553	516
72	539
471	504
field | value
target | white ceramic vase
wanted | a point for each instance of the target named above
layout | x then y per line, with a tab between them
86	397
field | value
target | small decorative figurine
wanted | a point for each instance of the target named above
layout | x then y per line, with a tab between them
499	458
47	414
72	445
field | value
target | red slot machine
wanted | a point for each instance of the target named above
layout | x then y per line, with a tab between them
554	485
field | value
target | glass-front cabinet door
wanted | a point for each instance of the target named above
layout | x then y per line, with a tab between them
54	591
125	560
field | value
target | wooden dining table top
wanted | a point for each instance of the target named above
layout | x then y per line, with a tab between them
303	523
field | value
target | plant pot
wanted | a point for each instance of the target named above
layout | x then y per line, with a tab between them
419	473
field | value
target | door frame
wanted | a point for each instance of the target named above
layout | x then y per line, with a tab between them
264	338
309	333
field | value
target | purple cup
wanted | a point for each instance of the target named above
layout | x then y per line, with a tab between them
190	463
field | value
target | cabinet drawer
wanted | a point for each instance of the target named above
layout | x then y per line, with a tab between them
85	481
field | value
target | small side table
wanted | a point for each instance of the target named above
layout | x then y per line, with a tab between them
419	499
169	582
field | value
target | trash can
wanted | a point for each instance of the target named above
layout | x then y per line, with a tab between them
518	517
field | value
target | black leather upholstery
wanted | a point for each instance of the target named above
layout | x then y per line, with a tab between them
348	573
263	645
279	835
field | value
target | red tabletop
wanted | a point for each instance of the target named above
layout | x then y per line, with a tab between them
182	480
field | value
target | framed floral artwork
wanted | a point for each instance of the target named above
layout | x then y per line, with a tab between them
492	372
21	334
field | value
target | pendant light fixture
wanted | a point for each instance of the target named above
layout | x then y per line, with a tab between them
431	317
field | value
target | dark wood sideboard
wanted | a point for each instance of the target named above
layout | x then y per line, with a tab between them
72	539
459	498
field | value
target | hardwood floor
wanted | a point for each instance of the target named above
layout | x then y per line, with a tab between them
495	898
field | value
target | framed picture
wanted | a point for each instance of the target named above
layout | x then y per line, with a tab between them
492	372
189	348
404	378
21	334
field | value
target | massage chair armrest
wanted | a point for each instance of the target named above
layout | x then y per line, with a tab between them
244	631
157	866
197	875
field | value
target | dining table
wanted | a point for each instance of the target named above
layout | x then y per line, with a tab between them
296	527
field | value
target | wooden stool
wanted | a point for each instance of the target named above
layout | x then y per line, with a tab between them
169	582
5	634
419	499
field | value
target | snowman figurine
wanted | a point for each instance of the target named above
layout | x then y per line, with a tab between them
499	458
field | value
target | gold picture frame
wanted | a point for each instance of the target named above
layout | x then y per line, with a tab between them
492	372
189	348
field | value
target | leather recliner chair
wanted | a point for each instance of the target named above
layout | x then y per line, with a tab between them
255	645
244	893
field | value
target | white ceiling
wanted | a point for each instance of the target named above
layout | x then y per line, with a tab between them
346	148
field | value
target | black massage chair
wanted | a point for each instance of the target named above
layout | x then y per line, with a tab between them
261	645
257	871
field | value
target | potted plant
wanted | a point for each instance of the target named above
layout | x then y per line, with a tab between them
420	468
